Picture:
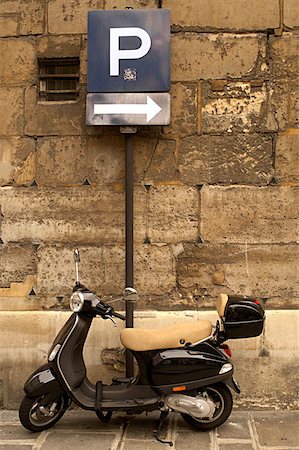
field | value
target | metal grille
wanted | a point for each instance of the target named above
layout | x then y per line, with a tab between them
59	79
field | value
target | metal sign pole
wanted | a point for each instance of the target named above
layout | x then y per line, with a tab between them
129	209
128	87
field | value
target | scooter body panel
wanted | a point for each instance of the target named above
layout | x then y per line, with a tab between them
68	364
42	382
193	367
184	365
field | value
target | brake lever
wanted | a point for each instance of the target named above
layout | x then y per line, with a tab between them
109	317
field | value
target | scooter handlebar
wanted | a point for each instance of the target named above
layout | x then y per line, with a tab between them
107	310
119	316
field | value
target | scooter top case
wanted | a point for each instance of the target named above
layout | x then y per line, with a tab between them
241	317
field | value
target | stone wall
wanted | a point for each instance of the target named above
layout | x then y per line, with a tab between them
216	191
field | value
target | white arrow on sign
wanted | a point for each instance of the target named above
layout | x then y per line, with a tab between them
150	108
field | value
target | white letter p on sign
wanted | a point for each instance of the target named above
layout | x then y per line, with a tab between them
116	54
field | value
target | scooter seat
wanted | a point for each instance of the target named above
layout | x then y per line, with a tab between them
175	336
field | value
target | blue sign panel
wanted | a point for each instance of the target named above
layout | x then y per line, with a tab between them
128	51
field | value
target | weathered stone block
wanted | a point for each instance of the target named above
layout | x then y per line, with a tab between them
173	213
134	4
105	159
16	160
290	13
20	61
16	263
82	214
8	25
284	58
294	104
238	106
70	17
83	61
228	15
26	17
184	100
70	160
229	159
55	273
156	274
155	160
287	157
12	111
74	214
20	295
61	161
58	46
249	214
277	108
53	118
233	55
266	271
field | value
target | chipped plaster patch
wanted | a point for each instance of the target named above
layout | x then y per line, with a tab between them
238	104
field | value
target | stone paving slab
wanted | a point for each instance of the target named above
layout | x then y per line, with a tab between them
277	429
70	441
244	430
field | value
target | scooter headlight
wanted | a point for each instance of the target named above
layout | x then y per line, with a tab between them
77	301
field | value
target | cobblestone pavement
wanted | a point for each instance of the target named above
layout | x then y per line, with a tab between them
257	430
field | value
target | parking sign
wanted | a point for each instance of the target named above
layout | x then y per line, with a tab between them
128	51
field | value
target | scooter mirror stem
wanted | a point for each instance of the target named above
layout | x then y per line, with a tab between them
77	260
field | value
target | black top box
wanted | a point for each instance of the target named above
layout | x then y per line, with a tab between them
243	317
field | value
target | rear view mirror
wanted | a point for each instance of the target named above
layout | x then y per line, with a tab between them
130	295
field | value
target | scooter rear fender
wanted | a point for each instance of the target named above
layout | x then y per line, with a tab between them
42	382
232	383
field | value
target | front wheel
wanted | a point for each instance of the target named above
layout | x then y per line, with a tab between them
223	402
36	416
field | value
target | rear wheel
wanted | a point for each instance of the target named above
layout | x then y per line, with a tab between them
223	401
36	416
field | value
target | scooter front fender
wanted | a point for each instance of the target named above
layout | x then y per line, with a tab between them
233	384
42	382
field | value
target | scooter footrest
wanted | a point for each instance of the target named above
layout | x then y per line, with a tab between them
123	380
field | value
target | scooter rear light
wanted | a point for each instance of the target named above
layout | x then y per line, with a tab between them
227	350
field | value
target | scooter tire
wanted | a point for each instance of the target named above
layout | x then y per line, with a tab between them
34	420
221	394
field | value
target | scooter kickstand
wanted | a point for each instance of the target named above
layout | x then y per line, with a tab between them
156	433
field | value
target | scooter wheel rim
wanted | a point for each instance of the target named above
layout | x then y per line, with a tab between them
38	419
219	404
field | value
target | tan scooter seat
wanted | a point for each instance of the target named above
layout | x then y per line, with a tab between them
170	337
221	304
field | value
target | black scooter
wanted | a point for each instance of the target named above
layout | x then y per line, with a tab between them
184	368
